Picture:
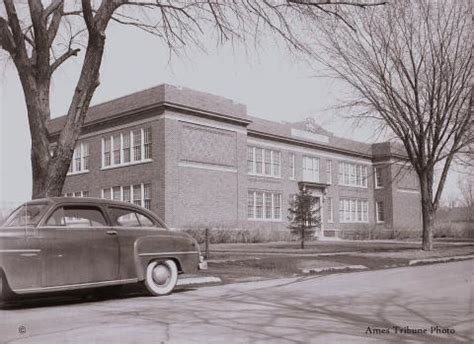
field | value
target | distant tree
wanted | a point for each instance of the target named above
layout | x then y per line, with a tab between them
304	214
409	65
466	186
40	35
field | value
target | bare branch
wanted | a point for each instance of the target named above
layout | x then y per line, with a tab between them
63	58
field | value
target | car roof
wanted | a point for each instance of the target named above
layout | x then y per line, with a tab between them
83	200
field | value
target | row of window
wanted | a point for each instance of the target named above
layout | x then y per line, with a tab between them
353	210
80	158
262	161
352	174
77	194
127	147
264	205
139	194
267	162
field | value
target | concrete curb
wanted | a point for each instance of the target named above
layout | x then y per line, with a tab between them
335	268
198	280
439	260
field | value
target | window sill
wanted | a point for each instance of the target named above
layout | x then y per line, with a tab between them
77	173
353	222
353	186
380	222
378	187
265	220
127	164
262	176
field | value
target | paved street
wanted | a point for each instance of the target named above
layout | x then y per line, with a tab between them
327	309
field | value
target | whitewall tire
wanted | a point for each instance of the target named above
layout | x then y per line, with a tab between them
161	277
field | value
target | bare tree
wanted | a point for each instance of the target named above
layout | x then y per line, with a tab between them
409	64
40	35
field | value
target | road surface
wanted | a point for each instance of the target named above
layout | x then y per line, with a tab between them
361	307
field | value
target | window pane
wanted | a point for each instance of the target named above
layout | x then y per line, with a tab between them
250	160
268	162
137	194
147	139
126	193
276	164
137	145
85	156
268	205
116	154
277	206
72	216
250	205
27	214
259	205
106	194
116	193
145	221
147	195
126	147
258	159
124	217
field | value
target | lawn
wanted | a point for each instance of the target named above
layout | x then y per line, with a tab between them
248	262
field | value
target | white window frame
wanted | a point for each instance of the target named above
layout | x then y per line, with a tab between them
80	147
353	210
330	210
292	166
329	171
274	197
133	160
274	163
379	207
378	181
354	175
312	173
131	188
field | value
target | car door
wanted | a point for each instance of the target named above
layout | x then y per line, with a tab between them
80	247
131	225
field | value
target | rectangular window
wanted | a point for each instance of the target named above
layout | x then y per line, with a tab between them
126	193
116	150
378	178
106	193
329	210
137	194
80	158
85	193
311	169
263	162
268	205
292	166
352	174
107	147
77	159
147	196
116	193
268	162
250	159
137	145
147	143
126	147
353	210
264	205
251	205
276	164
258	160
329	171
277	206
78	194
259	205
380	212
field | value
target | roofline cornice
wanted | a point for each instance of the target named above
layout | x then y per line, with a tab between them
264	135
164	105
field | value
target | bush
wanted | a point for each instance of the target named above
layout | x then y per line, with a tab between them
239	235
454	230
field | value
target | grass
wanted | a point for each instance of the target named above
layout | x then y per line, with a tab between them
240	263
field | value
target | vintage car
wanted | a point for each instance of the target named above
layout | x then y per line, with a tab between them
62	244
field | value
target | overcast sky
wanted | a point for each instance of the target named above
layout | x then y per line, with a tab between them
272	83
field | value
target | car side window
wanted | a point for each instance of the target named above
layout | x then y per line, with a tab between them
76	216
129	218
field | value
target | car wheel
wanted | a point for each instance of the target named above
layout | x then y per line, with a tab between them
161	277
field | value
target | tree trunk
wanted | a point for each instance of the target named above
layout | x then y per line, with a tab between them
302	237
427	211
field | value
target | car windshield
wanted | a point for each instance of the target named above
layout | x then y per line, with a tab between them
27	214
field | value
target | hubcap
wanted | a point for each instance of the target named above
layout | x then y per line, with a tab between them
161	274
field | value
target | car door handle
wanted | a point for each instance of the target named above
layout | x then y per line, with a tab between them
111	232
